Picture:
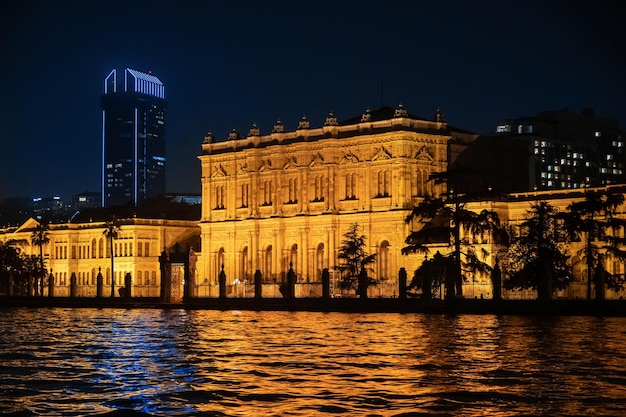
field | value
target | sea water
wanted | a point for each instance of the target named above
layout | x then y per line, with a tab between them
93	362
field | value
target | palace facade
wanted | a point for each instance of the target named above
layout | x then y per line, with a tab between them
83	250
286	199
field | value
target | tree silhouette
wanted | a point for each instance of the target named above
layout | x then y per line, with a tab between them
39	238
354	260
590	220
444	218
11	265
111	231
536	258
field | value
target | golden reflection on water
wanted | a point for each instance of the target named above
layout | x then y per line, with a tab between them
240	363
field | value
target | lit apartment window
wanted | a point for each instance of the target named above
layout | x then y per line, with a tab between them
597	134
519	129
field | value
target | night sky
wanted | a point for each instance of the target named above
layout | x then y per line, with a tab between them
227	64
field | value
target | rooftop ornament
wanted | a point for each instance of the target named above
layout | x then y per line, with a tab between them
254	130
439	116
233	135
278	127
331	120
208	138
304	123
367	116
400	111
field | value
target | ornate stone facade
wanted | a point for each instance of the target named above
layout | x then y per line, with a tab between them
288	197
82	249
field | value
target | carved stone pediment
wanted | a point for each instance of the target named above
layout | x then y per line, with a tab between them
291	163
425	154
219	171
266	165
381	153
350	158
318	160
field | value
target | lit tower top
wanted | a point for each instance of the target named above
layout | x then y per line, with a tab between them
133	81
133	137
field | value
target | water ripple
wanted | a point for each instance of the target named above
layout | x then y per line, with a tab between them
109	362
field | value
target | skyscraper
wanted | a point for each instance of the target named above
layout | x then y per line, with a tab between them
133	137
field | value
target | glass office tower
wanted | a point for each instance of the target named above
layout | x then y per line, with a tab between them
133	137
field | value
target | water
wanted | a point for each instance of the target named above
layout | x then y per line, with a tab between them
58	362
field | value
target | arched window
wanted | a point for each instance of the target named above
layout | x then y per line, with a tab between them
100	248
267	264
293	257
219	261
244	264
384	271
319	261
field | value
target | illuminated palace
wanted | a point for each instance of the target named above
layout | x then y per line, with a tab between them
83	250
286	199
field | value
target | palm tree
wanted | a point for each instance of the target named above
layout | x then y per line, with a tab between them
590	219
443	219
111	231
40	237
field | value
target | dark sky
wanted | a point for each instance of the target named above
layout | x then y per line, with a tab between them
227	64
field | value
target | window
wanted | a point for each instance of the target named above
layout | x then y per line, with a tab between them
384	270
219	197
292	191
267	193
319	188
384	183
268	262
244	195
319	260
350	187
